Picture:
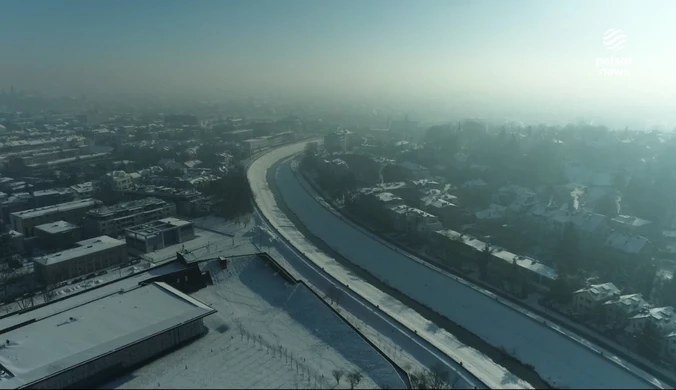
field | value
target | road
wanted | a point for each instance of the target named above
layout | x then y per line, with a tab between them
411	331
561	360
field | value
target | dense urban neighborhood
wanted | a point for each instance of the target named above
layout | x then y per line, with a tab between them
580	217
554	220
337	195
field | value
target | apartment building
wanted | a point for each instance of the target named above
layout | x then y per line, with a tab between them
25	221
587	299
89	256
113	220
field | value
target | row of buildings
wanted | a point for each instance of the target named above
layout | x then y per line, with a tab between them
626	313
384	206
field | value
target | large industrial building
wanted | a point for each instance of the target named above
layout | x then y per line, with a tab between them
66	345
113	220
156	235
25	221
89	256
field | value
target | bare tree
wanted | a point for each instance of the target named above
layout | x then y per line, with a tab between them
49	292
354	378
6	276
337	374
434	378
25	302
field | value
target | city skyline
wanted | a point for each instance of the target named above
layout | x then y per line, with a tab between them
527	55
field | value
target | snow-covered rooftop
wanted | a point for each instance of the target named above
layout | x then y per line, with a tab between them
387	197
627	243
600	292
53	343
84	247
632	221
56	227
32	213
521	261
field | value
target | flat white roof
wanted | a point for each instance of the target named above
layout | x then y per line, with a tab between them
175	221
32	213
57	227
61	341
84	247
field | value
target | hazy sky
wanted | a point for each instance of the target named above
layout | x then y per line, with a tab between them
495	51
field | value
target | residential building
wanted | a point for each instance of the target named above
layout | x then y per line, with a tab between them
83	190
628	246
119	180
448	213
618	311
588	299
664	318
414	221
89	256
339	140
632	225
113	220
73	212
157	235
59	234
53	196
463	250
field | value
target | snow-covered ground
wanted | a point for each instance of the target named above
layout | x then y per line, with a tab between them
489	372
267	333
207	242
411	352
561	360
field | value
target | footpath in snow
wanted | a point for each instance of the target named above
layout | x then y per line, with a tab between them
488	371
267	333
561	360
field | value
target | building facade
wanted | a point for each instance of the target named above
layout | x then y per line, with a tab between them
25	221
89	256
113	220
157	235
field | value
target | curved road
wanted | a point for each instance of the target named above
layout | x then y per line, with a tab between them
562	361
380	311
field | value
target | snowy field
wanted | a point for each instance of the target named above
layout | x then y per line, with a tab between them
559	359
411	352
491	374
267	334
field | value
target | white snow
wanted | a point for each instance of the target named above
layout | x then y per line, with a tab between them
259	315
205	243
491	373
561	360
71	337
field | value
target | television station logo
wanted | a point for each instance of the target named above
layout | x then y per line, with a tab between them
614	40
